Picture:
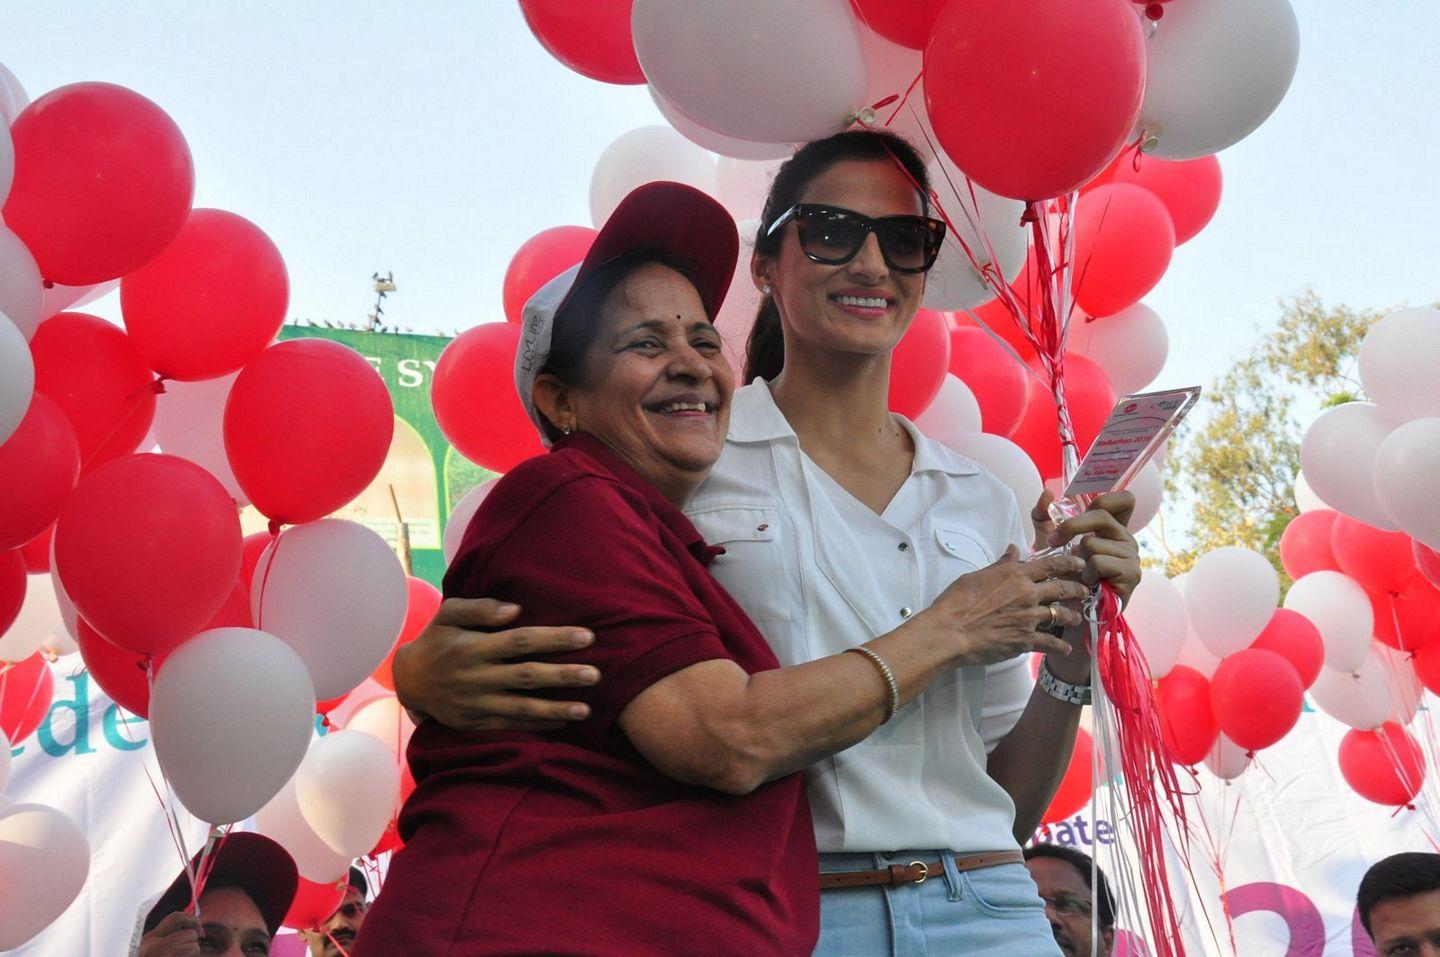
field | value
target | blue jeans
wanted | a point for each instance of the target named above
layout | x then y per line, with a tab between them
990	912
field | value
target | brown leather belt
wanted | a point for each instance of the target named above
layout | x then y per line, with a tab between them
916	872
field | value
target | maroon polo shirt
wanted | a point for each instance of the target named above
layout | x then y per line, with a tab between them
570	842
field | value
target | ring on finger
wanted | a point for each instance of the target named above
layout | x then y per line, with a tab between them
1054	616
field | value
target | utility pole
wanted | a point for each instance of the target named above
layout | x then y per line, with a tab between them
383	287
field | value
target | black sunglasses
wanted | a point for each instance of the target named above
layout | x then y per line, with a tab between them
832	235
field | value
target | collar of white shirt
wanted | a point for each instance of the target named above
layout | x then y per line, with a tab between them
755	418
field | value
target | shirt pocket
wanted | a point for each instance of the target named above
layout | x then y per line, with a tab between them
961	551
753	568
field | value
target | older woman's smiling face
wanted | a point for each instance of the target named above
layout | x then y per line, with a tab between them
656	387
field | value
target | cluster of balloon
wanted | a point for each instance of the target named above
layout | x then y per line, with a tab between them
134	556
1363	553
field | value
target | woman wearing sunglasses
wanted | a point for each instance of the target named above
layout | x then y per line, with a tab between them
846	534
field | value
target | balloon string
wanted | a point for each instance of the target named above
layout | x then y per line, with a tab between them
271	552
335	943
132	405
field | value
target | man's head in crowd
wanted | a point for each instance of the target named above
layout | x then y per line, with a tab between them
342	926
1062	875
250	886
1399	904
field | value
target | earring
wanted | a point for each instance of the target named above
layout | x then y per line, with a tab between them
566	429
765	289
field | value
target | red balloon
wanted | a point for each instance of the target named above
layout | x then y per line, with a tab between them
993	374
543	257
997	319
391	840
120	674
591	38
1187	723
423	601
906	22
315	902
1427	666
37	551
919	363
1428	561
307	427
234	612
103	180
1091	398
1123	242
26	690
1407	619
1257	697
1385	765
473	394
1305	543
38	466
210	302
13	579
1003	89
1295	638
1190	189
1077	785
149	549
1379	560
92	371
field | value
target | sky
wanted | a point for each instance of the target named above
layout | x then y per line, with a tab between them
431	138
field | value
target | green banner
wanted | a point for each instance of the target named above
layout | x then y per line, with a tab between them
424	473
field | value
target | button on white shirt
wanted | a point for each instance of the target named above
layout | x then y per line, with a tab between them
820	572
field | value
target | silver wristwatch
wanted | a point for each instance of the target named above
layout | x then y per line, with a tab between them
1063	690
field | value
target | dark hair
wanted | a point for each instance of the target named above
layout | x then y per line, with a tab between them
1082	862
765	350
1399	875
575	324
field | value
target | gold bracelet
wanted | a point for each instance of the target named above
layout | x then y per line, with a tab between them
893	704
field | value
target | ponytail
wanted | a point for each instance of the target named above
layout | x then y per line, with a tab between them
765	349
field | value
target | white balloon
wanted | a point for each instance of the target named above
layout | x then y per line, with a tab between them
1193	653
281	821
62	597
890	71
58	297
14	99
39	617
771	71
60	643
17	378
742	303
1397	362
1405	471
1158	616
1227	760
1360	698
1305	498
1216	70
189	422
1338	458
644	155
1339	607
44	861
231	712
335	593
385	720
1006	461
742	186
347	788
987	224
1148	486
726	146
1131	346
1231	595
7	162
953	412
22	291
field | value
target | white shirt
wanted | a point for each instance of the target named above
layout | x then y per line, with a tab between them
820	572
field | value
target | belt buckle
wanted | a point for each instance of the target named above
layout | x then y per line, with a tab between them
924	871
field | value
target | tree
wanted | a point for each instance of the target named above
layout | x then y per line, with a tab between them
1232	474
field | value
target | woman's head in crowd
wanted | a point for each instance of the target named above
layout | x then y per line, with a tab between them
636	362
828	281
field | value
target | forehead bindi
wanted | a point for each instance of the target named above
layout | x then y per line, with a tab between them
654	293
872	187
